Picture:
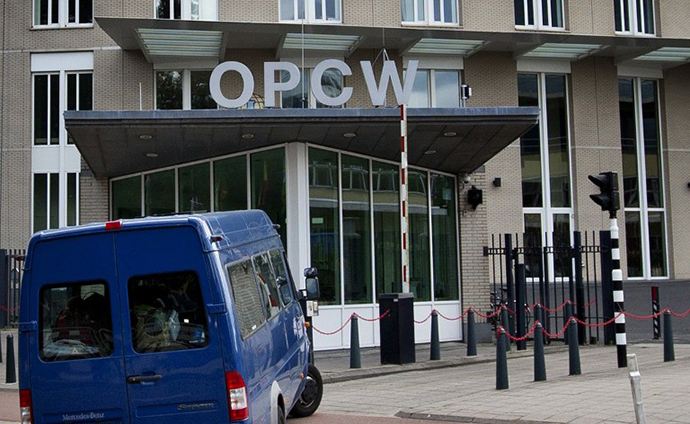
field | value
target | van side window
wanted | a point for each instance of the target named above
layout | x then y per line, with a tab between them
282	277
268	284
248	302
167	312
75	322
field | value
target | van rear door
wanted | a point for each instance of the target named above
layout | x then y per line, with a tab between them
173	355
76	363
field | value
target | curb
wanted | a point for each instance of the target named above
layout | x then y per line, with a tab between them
460	419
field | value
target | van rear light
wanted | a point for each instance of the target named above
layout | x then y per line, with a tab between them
113	225
25	407
237	396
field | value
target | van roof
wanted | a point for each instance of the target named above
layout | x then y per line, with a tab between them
221	229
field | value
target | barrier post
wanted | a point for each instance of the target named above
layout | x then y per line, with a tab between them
10	373
573	348
501	361
435	354
669	352
521	296
355	355
656	322
505	322
636	388
539	364
0	347
471	335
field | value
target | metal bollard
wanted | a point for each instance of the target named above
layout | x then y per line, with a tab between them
505	322
501	361
10	373
355	355
471	334
0	347
539	363
669	352
656	322
573	348
566	318
435	354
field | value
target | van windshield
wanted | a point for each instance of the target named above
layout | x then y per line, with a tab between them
75	321
167	312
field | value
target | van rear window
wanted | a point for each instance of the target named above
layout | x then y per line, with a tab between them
167	312
75	321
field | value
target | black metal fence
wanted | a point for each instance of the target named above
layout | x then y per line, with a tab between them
527	274
11	270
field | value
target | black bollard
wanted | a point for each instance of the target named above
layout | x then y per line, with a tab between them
501	361
435	343
0	347
355	356
10	373
471	335
573	348
669	352
539	363
505	322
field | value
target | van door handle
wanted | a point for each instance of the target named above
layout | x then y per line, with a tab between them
137	379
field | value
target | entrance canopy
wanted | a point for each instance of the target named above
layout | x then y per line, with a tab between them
455	140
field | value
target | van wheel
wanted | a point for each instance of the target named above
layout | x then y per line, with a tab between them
282	419
311	396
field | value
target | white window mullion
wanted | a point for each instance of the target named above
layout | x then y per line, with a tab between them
372	231
432	282
341	236
62	142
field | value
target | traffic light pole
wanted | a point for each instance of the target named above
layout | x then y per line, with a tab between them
618	298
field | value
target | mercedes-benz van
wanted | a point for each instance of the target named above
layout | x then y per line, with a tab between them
181	319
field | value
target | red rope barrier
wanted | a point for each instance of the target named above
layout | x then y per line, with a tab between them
372	319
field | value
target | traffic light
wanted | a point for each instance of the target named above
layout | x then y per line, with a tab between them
608	197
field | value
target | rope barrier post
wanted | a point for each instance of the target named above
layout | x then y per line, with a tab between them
0	347
10	373
355	355
471	334
539	363
505	322
669	352
580	310
501	361
636	387
656	322
435	354
573	348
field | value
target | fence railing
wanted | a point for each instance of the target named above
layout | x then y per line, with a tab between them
525	272
11	270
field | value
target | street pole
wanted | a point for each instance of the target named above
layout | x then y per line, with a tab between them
404	201
618	297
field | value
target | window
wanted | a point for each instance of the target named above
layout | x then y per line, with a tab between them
48	211
267	280
285	283
435	88
194	10
126	194
194	186
430	12
643	189
47	106
634	16
75	322
248	304
159	193
63	13
310	10
539	14
176	90
302	97
167	312
545	160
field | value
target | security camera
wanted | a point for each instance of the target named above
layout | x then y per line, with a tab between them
466	178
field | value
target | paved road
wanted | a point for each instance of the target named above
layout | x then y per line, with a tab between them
9	406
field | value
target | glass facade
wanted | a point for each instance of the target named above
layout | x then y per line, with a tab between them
643	188
435	88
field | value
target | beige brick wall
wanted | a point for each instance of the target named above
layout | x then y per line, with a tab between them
672	19
94	200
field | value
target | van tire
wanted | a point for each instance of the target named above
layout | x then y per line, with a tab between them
282	419
310	399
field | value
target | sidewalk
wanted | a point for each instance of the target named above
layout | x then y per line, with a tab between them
461	389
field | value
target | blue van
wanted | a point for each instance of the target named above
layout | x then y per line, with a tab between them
181	319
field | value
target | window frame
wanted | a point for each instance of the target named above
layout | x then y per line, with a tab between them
537	15
62	15
430	17
62	207
629	24
310	12
186	10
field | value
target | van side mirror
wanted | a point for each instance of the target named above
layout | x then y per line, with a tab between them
311	283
